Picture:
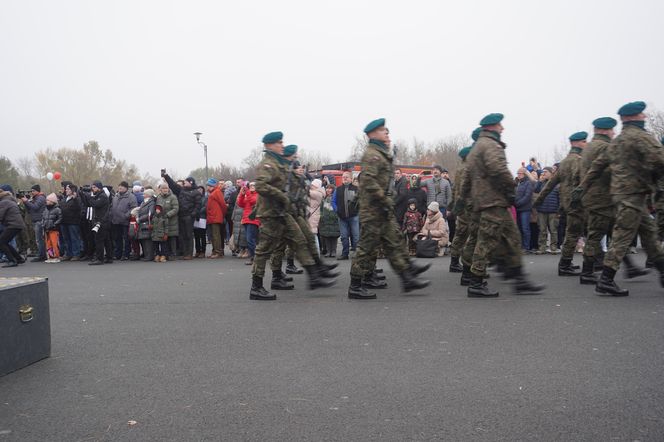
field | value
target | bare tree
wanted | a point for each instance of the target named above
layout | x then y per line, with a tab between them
656	123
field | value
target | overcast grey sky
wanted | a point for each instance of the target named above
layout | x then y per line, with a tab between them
141	76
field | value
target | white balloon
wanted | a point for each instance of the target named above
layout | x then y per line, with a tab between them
49	176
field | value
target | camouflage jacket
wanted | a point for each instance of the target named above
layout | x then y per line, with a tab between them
568	176
598	195
375	179
458	190
297	194
486	169
270	184
636	162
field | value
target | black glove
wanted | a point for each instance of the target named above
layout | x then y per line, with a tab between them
511	199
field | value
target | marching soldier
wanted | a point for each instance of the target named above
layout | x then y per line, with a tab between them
599	205
568	176
378	225
492	194
636	162
276	223
462	214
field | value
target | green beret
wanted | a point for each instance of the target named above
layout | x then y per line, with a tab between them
273	137
290	150
633	108
579	136
463	153
375	124
491	119
476	134
605	123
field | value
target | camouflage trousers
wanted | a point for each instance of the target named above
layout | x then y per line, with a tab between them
497	237
659	210
378	230
278	256
632	217
471	240
573	231
599	225
460	235
272	232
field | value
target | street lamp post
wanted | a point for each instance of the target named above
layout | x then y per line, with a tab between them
198	140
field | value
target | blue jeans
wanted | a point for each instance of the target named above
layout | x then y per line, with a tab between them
350	229
39	237
71	238
120	235
523	219
251	233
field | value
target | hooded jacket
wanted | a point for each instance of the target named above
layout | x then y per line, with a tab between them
10	214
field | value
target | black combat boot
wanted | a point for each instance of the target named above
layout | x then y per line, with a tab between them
587	275
455	265
377	270
479	288
565	268
292	269
378	276
410	281
465	276
633	271
278	282
258	292
416	268
650	264
356	291
371	282
316	278
606	286
326	269
522	285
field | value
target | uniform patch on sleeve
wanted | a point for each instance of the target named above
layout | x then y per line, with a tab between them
267	166
374	158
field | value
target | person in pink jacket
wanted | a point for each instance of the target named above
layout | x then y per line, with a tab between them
436	226
316	196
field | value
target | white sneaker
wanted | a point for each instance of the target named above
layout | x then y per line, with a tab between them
55	260
48	261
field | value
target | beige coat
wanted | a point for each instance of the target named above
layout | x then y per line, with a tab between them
316	195
437	227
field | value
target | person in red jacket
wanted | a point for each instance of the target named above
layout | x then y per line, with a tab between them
216	212
247	200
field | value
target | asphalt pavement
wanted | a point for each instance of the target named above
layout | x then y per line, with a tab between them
177	352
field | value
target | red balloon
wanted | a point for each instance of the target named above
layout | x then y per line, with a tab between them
57	175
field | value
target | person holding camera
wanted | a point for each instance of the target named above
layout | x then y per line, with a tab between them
99	215
71	227
35	206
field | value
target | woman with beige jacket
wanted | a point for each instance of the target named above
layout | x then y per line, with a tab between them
436	226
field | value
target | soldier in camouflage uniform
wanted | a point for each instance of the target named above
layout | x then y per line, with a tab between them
568	176
636	161
377	221
462	214
276	223
297	190
492	193
659	205
598	204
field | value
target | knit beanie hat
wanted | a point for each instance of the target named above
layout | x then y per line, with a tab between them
52	198
7	188
149	193
97	184
36	187
434	207
212	182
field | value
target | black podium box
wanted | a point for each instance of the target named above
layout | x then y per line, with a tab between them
25	322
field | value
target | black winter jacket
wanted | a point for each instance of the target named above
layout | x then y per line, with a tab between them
189	199
71	210
51	217
10	214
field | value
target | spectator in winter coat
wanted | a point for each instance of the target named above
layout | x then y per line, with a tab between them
170	208
216	213
416	192
411	224
137	190
547	214
144	219
400	194
12	224
435	225
230	197
160	238
438	189
71	224
189	200
51	219
523	203
247	200
328	227
345	203
121	206
200	233
35	206
316	195
101	223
